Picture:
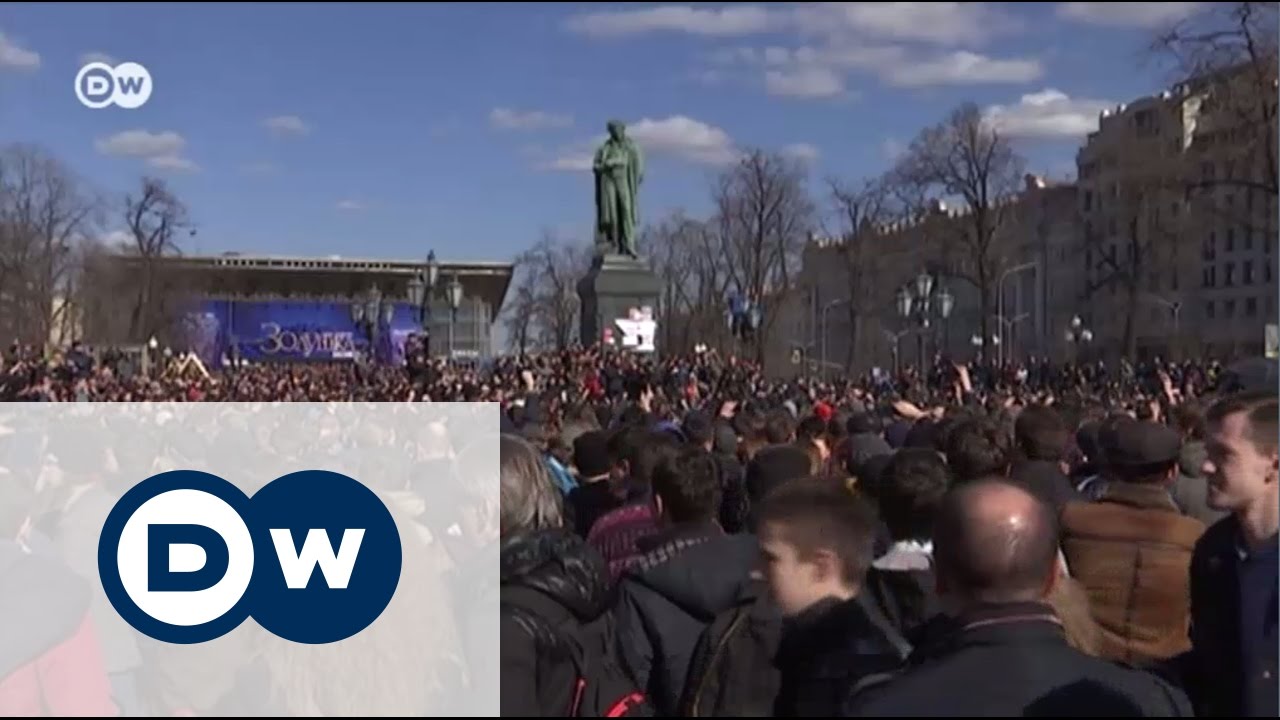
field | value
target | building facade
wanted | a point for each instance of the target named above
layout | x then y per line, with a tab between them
849	316
1179	233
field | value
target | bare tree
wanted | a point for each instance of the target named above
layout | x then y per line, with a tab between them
968	158
547	291
156	219
859	210
45	213
520	313
683	253
763	218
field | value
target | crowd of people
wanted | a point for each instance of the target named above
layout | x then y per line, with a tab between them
970	541
688	537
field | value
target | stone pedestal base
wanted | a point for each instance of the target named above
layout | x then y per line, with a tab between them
615	285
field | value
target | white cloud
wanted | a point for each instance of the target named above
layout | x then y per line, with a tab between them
508	119
804	152
142	144
160	150
350	205
822	71
1048	114
964	68
92	57
286	125
172	162
116	238
727	21
1127	14
14	56
892	149
944	23
683	137
676	136
940	23
804	81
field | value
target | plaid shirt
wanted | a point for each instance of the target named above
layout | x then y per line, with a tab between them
616	534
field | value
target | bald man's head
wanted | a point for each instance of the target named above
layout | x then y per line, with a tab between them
995	542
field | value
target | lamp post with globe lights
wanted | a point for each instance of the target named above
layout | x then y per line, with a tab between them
371	315
920	302
1077	336
421	288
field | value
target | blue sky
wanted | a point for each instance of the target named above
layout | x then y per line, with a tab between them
385	131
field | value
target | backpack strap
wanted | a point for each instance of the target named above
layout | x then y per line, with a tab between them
886	628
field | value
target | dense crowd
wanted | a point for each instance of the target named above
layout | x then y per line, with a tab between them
970	541
688	537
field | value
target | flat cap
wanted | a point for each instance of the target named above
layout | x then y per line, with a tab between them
1136	443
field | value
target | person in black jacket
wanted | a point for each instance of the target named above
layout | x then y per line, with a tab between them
816	544
1041	437
1003	652
689	572
551	581
1231	670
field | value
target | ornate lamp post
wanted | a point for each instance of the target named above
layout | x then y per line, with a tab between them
1077	335
371	315
921	303
421	289
453	293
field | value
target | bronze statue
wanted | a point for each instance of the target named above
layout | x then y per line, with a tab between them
619	170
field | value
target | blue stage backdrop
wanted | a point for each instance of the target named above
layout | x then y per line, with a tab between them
265	331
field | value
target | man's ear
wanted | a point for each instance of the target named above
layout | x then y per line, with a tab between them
657	504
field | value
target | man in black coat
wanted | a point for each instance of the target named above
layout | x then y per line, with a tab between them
552	583
1232	670
1003	652
689	572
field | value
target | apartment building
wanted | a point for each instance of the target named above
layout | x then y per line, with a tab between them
1178	251
850	318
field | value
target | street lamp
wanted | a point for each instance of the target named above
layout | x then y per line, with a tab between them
371	315
453	293
1175	307
829	306
922	305
1000	288
1077	334
421	288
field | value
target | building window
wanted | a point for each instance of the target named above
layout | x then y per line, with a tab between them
1209	276
1211	247
1229	308
1246	272
1248	238
1251	307
1173	209
1209	310
1231	240
1229	275
1248	199
1088	200
1154	283
1173	281
1266	273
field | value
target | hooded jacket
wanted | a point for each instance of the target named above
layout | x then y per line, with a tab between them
50	660
550	577
685	577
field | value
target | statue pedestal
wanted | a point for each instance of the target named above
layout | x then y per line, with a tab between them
615	285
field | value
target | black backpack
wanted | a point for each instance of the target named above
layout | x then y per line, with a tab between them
602	686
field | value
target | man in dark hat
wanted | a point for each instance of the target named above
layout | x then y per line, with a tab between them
595	495
1131	549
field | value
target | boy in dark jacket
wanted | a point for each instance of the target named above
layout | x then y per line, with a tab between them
816	544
